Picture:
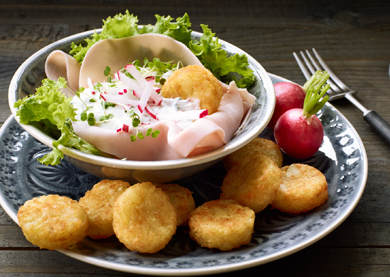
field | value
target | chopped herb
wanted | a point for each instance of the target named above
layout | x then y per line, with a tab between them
149	132
106	105
107	71
106	117
98	86
155	133
83	116
92	100
133	138
140	136
136	122
91	119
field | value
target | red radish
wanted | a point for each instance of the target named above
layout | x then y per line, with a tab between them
136	74
288	96
125	128
150	112
299	132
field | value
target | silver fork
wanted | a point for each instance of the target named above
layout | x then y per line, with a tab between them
339	90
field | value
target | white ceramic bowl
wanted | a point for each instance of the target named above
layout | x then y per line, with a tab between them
29	75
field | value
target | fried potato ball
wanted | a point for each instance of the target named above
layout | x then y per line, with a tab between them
53	221
252	183
195	82
256	146
98	203
302	188
222	224
144	218
181	199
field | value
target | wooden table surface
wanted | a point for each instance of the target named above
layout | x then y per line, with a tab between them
352	36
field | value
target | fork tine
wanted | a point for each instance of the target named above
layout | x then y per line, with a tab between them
332	75
309	65
334	87
302	67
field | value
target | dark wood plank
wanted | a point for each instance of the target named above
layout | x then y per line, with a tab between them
352	36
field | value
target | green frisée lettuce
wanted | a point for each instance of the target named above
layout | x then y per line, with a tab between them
207	49
209	52
50	110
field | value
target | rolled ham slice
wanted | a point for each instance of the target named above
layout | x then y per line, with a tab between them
117	53
173	142
204	135
59	64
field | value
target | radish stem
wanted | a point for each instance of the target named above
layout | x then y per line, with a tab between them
315	88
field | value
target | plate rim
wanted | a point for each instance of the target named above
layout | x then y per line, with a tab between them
225	267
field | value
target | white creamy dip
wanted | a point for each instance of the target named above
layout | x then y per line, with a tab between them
113	103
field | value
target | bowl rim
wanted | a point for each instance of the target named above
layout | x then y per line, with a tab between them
211	156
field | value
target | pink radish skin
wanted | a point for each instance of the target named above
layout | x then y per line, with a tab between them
288	96
298	136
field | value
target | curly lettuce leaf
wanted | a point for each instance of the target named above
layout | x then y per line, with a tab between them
212	56
119	26
178	30
50	110
207	49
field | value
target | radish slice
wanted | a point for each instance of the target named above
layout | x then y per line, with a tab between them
150	112
137	94
156	97
187	115
125	128
136	74
145	96
121	100
148	78
90	85
131	83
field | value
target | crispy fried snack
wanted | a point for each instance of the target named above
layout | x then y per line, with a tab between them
256	146
144	218
197	82
98	203
53	221
252	183
222	224
303	188
181	198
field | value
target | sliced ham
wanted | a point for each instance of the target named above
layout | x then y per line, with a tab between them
173	142
117	53
59	64
204	135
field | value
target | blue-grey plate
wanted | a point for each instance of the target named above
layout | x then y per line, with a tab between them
342	158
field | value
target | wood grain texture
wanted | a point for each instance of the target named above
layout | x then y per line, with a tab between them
353	37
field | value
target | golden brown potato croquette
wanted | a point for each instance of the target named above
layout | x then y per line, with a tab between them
252	183
98	203
53	221
221	224
144	218
181	198
302	188
256	146
194	82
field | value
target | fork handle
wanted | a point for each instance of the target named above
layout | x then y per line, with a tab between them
381	126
